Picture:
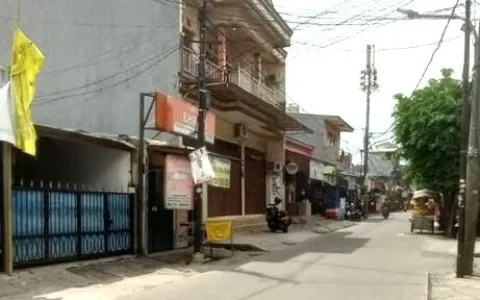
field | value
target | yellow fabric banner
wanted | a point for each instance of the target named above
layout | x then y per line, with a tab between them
218	231
27	61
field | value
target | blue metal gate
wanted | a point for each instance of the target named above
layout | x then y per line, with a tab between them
56	226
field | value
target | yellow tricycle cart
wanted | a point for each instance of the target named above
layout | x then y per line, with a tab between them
424	203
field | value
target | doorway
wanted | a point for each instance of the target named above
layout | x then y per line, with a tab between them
160	220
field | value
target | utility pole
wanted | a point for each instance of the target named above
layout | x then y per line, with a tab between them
203	107
471	200
368	84
473	172
465	122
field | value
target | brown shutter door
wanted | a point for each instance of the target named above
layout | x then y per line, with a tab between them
255	182
226	202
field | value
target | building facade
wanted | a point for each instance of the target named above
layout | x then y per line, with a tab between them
327	161
99	56
246	75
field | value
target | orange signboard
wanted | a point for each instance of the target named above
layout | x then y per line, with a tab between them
180	117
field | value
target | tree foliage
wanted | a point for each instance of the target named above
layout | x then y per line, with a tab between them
427	126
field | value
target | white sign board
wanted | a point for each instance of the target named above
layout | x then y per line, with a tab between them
202	170
316	170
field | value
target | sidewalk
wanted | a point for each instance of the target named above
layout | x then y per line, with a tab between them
445	286
117	275
441	245
448	287
114	278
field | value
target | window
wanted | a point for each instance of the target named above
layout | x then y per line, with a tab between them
332	138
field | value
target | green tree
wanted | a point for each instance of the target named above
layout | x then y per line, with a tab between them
427	126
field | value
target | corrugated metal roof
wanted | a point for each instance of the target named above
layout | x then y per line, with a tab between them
73	134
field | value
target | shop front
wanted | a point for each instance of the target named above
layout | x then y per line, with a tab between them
323	190
297	164
170	198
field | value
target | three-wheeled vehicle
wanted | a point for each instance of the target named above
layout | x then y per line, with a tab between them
425	212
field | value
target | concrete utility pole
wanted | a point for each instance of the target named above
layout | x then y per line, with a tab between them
469	163
473	171
203	108
368	84
465	121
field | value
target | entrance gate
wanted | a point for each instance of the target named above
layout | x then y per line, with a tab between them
55	226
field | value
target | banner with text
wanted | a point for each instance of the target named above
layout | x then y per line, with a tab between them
221	168
178	183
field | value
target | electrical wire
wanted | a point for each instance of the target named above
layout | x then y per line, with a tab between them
389	12
121	72
403	48
152	62
376	24
108	77
439	44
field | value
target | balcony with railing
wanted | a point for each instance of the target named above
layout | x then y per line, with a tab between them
237	76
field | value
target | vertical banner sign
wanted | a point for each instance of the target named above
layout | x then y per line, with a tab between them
221	168
178	183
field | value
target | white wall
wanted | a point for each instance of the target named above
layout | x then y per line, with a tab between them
95	167
275	184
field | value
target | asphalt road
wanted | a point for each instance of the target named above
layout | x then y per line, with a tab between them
374	260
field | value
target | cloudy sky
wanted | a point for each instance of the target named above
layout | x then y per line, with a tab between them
325	60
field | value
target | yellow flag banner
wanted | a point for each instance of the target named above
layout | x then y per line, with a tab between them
218	231
27	61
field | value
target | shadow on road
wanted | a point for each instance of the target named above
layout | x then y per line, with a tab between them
337	242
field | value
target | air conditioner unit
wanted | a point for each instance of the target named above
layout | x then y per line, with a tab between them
240	131
274	168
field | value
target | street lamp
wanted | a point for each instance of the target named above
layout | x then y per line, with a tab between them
413	15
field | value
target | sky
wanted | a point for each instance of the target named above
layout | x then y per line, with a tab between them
325	59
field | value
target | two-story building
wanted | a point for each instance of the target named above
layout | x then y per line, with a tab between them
246	74
327	159
101	54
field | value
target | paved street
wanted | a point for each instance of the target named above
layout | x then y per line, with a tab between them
374	260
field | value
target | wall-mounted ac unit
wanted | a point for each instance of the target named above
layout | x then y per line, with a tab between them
275	167
240	131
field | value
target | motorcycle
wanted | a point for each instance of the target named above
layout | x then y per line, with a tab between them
277	219
385	212
405	205
353	212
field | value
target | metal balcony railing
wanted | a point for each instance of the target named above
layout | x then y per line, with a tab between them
238	76
190	66
252	85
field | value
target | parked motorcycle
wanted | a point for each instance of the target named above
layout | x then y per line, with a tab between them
277	219
353	211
